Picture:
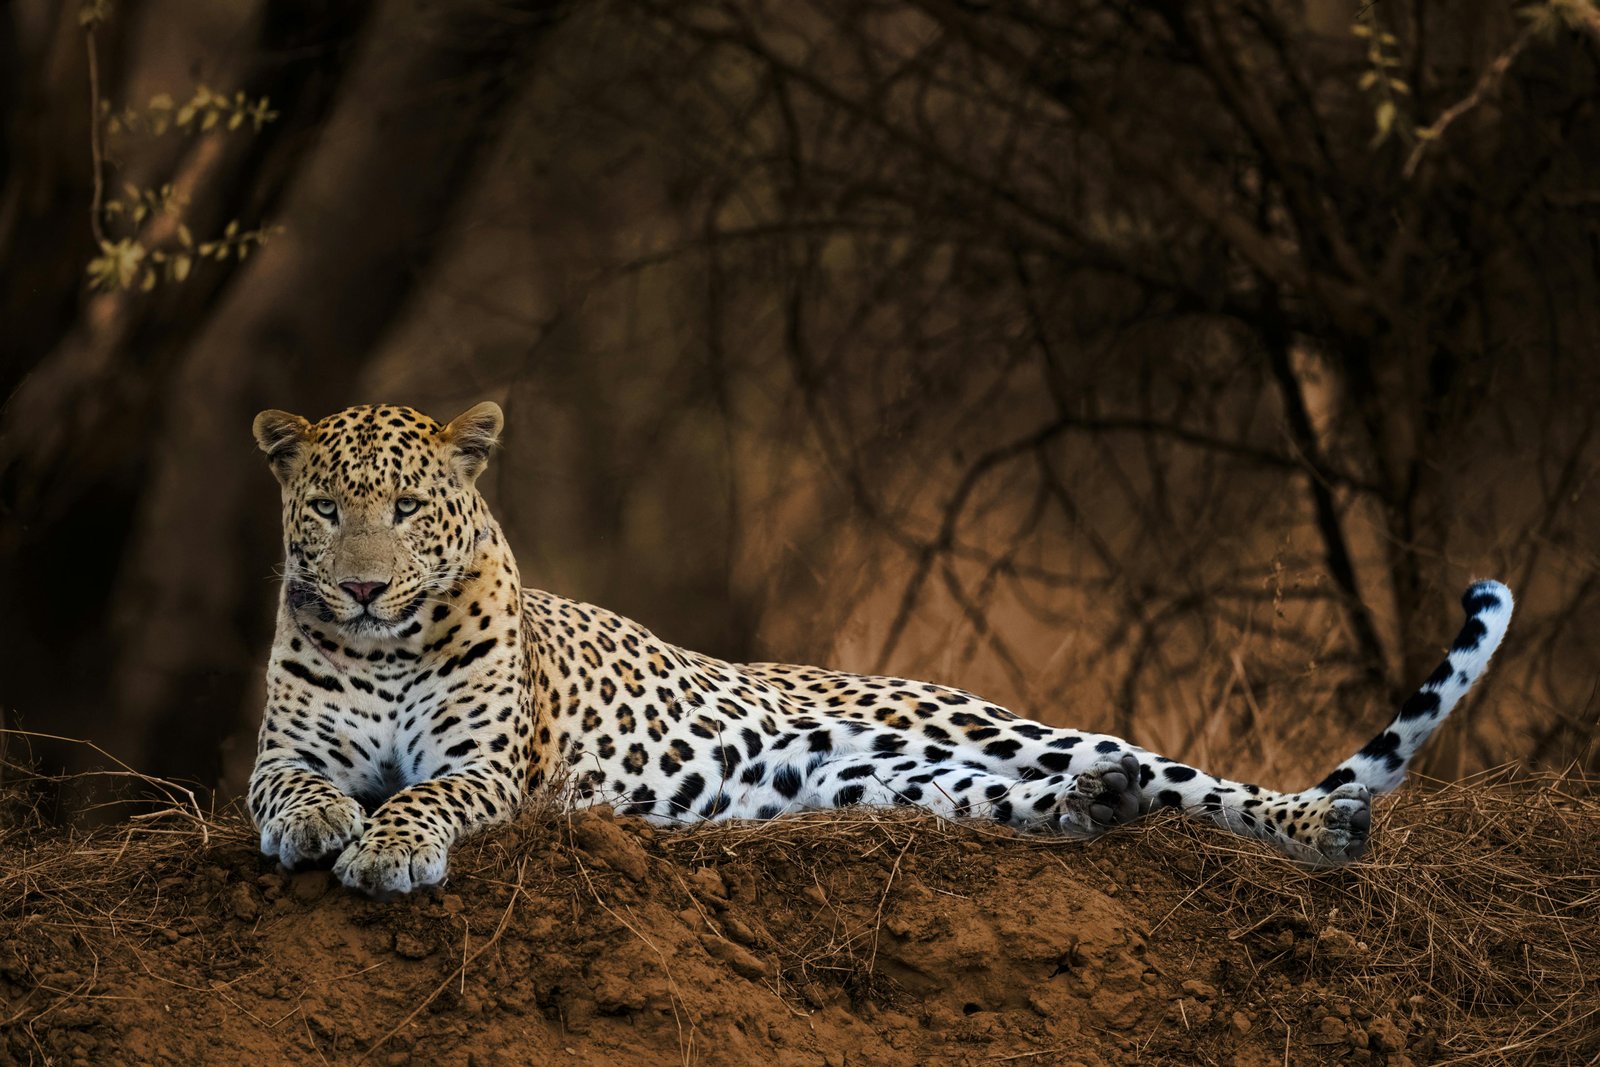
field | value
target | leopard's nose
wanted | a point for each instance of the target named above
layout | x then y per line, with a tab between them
364	592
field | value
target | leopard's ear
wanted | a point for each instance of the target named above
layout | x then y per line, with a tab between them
282	437
471	436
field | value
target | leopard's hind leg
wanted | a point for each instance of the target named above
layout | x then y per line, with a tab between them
1106	793
1081	805
1324	829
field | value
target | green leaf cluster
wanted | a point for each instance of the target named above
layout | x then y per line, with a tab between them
129	263
145	203
204	111
1387	91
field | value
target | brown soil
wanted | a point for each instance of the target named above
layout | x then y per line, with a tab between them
842	938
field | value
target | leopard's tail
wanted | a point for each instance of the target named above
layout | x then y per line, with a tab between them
1381	763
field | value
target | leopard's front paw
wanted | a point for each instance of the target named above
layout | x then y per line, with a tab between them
387	862
310	835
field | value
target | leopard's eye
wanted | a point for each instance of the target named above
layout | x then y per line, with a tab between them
406	505
325	507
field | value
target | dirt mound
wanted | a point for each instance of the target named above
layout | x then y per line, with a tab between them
842	938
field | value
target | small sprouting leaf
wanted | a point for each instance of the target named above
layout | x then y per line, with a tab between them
232	229
185	238
148	282
1368	80
180	267
1384	118
93	12
161	102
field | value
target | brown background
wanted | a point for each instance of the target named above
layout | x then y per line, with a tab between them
1090	355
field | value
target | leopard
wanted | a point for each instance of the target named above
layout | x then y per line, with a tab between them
416	692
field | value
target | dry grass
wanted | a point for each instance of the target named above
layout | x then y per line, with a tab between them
1480	899
1476	917
801	859
1479	903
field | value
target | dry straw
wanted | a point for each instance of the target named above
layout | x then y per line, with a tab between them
1479	905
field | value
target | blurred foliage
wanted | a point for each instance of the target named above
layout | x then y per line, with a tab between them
142	258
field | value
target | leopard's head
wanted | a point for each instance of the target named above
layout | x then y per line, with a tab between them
381	512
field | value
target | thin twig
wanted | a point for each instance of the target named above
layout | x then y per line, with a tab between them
96	149
1488	83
